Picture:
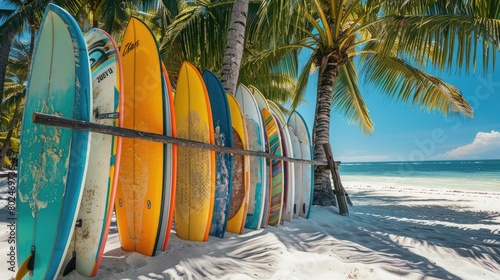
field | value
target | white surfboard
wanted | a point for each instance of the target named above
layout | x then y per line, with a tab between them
96	208
304	180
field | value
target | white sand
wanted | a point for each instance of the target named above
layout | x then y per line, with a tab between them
391	233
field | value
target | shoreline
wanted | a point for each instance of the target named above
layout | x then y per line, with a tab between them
391	233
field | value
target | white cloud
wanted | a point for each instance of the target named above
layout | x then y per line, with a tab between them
485	145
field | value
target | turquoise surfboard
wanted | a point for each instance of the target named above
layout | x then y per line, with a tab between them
52	161
223	134
262	104
257	142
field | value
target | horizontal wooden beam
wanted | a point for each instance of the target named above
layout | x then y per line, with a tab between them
52	120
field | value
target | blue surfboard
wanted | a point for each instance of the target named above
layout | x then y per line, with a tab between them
52	161
223	134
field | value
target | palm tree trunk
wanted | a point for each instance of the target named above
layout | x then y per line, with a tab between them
234	46
5	44
13	124
323	191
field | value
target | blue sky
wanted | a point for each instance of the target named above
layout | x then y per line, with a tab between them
403	132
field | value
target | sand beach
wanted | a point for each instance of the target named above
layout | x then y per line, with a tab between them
392	232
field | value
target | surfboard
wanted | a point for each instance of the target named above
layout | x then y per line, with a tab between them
304	195
240	192
196	167
142	184
89	238
256	142
297	169
52	160
262	104
223	134
288	166
170	171
275	148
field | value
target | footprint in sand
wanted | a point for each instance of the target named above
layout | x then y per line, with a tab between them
353	275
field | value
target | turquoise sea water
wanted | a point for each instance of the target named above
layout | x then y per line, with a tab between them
479	175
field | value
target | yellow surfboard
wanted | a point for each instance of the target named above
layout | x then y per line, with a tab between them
195	167
139	194
241	171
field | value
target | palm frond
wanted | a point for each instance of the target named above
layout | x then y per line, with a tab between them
403	82
199	32
347	98
113	14
446	40
300	89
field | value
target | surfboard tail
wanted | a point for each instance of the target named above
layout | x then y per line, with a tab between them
27	266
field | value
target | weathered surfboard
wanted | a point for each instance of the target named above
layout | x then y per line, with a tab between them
262	104
240	192
52	160
96	208
256	142
196	167
142	181
223	134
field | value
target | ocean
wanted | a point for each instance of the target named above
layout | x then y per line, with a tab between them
477	175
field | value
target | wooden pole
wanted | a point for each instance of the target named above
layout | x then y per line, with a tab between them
58	121
337	184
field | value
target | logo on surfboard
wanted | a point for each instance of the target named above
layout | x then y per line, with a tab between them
104	75
129	47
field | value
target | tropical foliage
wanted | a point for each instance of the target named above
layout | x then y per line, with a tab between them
197	32
12	105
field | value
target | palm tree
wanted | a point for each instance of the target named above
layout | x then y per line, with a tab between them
9	136
234	46
197	31
389	42
106	14
16	18
12	105
194	33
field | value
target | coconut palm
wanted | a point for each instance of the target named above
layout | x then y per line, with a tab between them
234	45
25	15
12	105
19	16
197	31
9	135
210	34
389	42
109	15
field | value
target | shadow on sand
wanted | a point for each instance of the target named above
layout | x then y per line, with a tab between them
385	231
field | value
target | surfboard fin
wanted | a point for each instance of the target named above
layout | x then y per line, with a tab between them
27	266
71	265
